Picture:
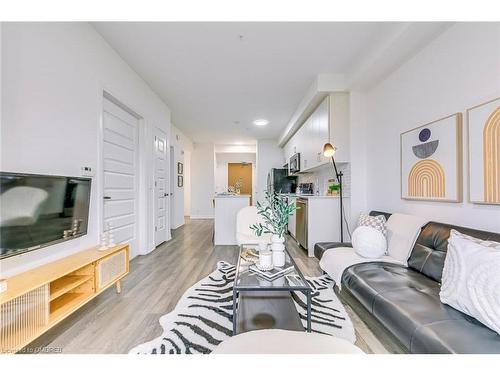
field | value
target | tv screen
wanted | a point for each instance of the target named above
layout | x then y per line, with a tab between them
37	211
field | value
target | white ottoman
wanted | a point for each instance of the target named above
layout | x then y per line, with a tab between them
278	341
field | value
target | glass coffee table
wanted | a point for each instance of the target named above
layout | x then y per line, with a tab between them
247	282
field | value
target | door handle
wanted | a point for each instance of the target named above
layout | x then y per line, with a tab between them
106	198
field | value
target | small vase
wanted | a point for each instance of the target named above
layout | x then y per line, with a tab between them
263	245
277	239
278	258
278	248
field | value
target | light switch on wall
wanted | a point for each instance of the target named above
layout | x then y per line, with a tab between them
88	172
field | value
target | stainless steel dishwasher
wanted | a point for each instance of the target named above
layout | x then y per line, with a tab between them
301	230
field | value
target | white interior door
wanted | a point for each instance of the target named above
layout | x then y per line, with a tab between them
173	181
120	174
161	187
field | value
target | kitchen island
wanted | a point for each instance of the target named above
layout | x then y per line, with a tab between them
226	208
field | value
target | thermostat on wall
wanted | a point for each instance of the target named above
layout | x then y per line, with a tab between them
88	172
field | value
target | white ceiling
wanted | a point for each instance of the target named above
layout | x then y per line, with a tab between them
218	77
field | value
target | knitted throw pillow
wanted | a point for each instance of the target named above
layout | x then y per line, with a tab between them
377	222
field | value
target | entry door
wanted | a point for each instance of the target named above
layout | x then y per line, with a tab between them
161	187
242	172
120	174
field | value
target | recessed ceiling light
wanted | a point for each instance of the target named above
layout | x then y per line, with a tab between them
261	122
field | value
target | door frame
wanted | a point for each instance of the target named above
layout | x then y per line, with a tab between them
171	186
252	177
140	186
167	188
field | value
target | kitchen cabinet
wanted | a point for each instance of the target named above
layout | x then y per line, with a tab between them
318	220
292	220
305	144
329	122
338	116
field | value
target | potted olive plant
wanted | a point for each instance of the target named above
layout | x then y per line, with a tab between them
275	213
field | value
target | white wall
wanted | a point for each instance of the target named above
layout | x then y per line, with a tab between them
358	158
269	155
182	154
248	148
221	172
53	80
202	180
187	181
458	70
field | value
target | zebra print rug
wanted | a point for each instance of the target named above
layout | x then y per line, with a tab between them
202	318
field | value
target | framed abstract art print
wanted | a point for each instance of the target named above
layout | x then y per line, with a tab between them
431	161
483	127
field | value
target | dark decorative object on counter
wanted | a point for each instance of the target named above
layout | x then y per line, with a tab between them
329	151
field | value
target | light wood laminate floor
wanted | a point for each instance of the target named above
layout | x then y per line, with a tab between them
115	323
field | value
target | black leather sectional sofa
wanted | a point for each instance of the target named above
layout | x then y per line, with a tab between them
403	302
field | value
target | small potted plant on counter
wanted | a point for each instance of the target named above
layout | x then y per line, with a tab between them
275	213
333	187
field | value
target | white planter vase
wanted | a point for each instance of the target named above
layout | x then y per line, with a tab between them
278	248
277	239
278	258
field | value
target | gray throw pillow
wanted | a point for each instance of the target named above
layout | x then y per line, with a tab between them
377	222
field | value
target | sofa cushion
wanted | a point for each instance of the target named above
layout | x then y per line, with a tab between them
430	248
407	303
455	336
368	280
336	261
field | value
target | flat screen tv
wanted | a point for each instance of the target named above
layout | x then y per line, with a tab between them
38	211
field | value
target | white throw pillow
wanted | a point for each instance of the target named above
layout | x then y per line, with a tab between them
369	242
471	278
402	232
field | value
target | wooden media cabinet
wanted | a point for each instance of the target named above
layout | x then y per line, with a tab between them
38	299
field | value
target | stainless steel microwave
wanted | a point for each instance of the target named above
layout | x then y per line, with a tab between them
294	163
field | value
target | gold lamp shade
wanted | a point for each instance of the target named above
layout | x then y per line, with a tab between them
329	150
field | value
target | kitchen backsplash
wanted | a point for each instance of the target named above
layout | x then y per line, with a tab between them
321	176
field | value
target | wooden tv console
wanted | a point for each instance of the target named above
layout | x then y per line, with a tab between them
38	299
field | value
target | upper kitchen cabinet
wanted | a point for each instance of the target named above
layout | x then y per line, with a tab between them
328	123
339	126
306	144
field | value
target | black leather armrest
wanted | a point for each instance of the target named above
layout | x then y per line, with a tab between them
321	247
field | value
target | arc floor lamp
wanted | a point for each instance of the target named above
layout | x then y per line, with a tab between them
329	152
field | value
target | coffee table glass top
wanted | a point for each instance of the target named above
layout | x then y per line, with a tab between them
246	279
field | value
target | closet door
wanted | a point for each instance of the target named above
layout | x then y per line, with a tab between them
120	174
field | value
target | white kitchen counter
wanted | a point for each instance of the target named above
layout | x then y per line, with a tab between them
226	208
232	196
323	221
318	196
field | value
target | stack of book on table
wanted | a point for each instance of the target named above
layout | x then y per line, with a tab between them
275	273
